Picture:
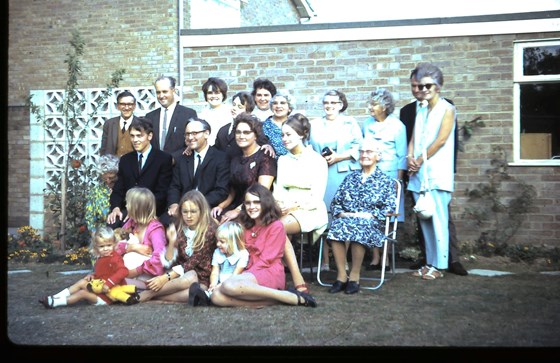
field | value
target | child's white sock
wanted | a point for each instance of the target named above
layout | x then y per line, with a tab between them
61	301
63	293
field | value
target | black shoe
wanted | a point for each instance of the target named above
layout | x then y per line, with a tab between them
352	287
193	294
308	300
457	269
338	286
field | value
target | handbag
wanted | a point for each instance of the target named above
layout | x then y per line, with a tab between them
425	205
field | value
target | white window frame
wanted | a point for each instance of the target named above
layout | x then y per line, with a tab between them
518	80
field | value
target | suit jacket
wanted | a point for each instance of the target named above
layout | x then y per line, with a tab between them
109	139
213	177
408	117
155	175
175	139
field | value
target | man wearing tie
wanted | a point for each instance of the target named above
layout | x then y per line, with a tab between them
144	167
205	168
170	119
116	138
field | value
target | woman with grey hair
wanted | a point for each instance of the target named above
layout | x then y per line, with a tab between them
282	105
383	126
97	205
431	158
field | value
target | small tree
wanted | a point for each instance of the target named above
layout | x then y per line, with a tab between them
68	187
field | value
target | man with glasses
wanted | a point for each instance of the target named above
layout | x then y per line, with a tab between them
205	168
408	117
116	137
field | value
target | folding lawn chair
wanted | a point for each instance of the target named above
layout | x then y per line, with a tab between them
391	225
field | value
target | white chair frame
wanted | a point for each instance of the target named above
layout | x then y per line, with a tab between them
391	225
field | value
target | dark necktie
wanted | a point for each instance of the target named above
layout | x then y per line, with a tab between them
163	130
140	157
123	127
196	171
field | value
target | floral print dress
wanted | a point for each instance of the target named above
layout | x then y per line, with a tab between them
375	195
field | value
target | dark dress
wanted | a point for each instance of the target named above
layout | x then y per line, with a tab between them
245	171
376	195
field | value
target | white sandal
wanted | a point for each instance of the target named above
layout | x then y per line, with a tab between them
432	274
421	271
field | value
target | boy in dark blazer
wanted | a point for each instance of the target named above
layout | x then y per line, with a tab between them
144	167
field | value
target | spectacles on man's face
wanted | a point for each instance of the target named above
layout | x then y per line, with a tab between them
193	133
126	104
243	132
421	87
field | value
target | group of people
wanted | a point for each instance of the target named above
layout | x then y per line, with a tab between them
208	205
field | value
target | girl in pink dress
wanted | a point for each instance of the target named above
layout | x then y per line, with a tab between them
264	279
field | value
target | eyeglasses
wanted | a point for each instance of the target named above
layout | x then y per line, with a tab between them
194	133
127	104
421	87
369	152
243	132
331	102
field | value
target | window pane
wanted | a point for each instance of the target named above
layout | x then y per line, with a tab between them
541	60
540	120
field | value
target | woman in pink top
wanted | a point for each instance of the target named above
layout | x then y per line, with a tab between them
264	279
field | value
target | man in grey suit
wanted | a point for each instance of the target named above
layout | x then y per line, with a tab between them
210	177
116	138
170	119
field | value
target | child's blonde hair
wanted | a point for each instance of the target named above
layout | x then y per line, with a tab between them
206	221
141	205
234	234
102	233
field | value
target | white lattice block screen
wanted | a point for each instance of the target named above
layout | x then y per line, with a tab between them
47	142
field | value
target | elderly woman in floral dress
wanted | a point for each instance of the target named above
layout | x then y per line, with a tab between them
359	207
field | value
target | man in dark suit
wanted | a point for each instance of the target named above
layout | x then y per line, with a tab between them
408	117
115	138
211	177
144	167
170	119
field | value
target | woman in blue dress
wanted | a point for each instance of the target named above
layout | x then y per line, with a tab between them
281	105
337	138
359	208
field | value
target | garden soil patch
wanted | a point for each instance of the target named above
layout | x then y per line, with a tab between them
507	314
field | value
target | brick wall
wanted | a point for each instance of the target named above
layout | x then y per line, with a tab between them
478	78
142	38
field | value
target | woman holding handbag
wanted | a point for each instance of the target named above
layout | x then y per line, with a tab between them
431	165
